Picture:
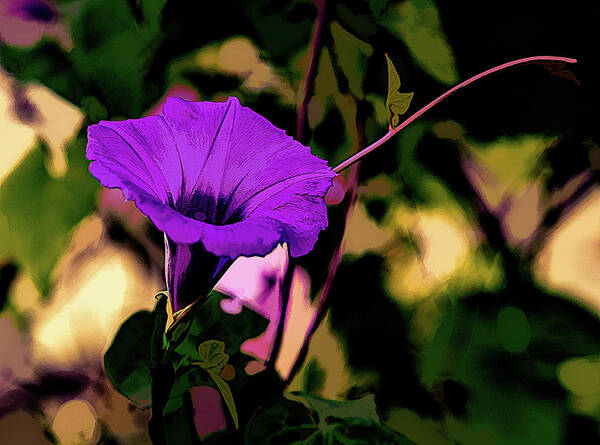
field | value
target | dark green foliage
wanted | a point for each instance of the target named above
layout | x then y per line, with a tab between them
209	321
417	24
113	50
283	421
141	360
183	365
378	7
512	345
280	421
365	342
46	63
292	22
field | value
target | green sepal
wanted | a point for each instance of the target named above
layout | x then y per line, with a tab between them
225	391
197	359
206	320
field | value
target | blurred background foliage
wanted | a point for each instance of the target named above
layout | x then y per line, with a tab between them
467	294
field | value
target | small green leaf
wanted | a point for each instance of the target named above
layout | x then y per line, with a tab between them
396	103
225	391
213	359
134	352
393	77
212	356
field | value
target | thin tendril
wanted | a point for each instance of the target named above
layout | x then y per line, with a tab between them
355	158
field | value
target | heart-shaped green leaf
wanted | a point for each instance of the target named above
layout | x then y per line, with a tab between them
363	408
126	360
134	351
396	103
348	422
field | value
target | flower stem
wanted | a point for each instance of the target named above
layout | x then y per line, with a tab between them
348	162
302	109
285	295
320	305
310	73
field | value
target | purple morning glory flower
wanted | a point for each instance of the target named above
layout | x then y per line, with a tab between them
219	180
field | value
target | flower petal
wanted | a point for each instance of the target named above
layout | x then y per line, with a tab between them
252	237
201	132
299	204
209	415
191	272
251	169
137	151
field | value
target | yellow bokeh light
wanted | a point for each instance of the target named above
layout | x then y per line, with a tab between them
75	424
363	234
239	56
89	312
17	138
568	261
61	121
443	245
